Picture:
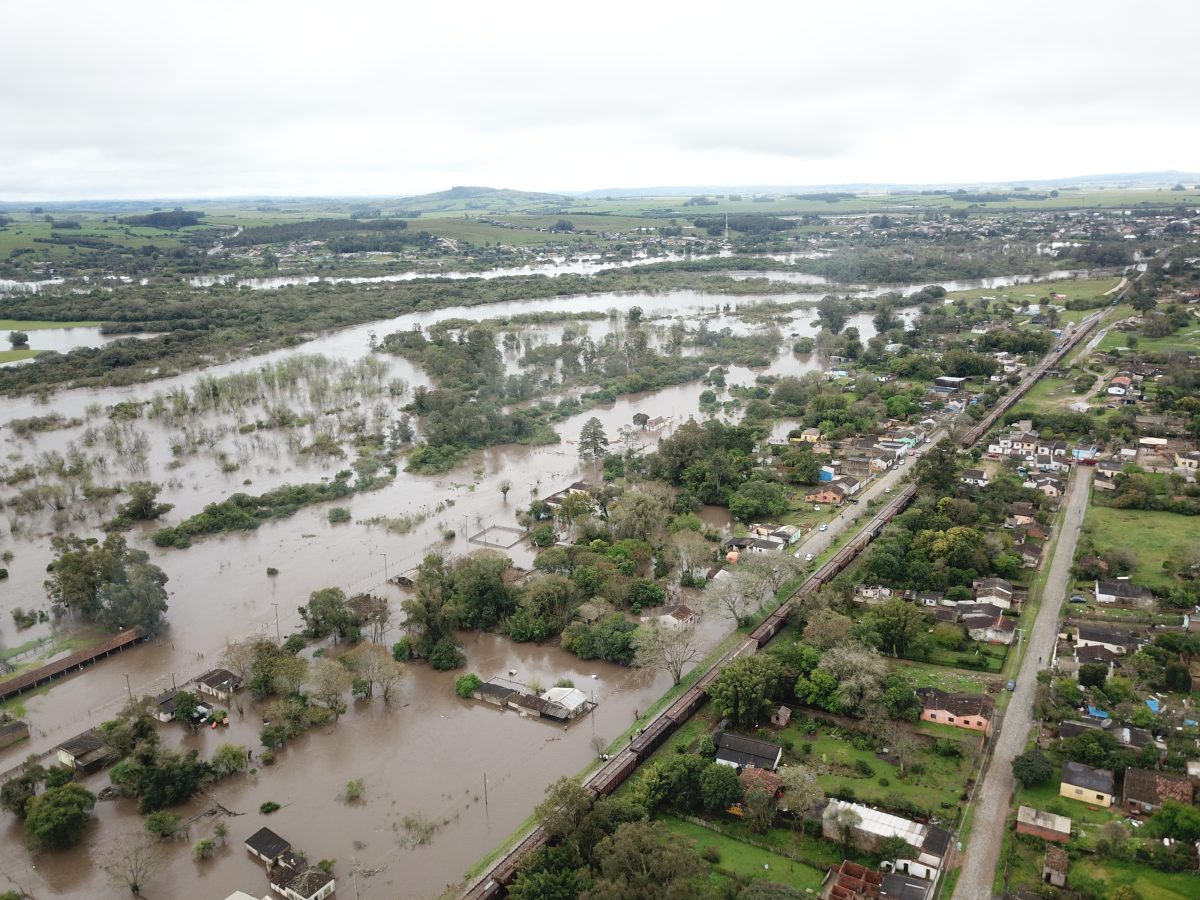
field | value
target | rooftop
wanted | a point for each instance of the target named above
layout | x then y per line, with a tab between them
1027	815
267	843
747	751
1079	775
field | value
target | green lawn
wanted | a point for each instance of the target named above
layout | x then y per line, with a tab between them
31	325
14	355
1150	535
746	860
1186	339
928	675
1148	882
1072	288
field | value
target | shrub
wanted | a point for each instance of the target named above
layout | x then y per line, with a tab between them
203	849
864	768
883	782
269	807
1032	768
272	571
268	758
339	514
445	655
467	685
402	650
355	790
162	824
711	854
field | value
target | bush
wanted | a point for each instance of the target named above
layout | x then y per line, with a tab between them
1032	768
402	650
267	757
162	824
269	807
711	854
864	768
467	685
203	849
272	571
355	790
339	514
445	655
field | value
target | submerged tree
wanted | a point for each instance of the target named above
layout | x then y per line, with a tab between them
593	442
107	583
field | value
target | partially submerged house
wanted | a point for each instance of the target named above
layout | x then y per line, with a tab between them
739	751
287	872
220	684
12	731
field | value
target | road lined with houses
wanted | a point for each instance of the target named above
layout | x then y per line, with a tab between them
995	794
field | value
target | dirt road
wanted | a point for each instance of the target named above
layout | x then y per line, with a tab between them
995	794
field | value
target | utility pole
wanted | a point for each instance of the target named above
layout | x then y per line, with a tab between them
385	572
485	796
278	638
128	689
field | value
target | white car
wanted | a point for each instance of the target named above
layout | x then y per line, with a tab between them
824	527
816	508
808	557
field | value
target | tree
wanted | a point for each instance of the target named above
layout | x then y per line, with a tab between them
633	315
238	657
107	583
643	859
720	787
430	616
327	614
758	499
827	628
896	623
744	688
58	817
162	824
832	314
937	470
801	791
329	680
142	505
739	596
759	807
1032	768
593	443
563	809
134	863
641	419
505	487
1093	675
667	648
895	847
228	759
18	339
859	674
844	821
186	706
374	664
545	885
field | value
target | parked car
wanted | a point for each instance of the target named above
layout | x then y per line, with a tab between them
808	557
1011	686
1075	598
824	527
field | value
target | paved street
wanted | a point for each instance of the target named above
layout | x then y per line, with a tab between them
992	803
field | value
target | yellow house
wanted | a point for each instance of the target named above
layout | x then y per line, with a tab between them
1092	786
807	436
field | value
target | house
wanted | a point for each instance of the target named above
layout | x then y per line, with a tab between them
1080	782
739	751
927	598
218	683
1095	654
495	694
527	704
753	778
1045	825
1023	513
830	494
592	611
871	593
1051	487
949	383
1054	869
809	435
679	617
1189	460
971	711
658	423
994	590
930	843
165	708
987	629
295	879
1031	554
1123	590
83	753
564	703
976	477
1145	790
1121	643
1109	468
267	846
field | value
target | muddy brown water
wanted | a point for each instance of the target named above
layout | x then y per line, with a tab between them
425	754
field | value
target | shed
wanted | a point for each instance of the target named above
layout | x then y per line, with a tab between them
781	717
83	753
740	751
12	731
1045	825
564	703
1054	869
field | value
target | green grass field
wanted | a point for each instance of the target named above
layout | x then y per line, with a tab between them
1151	536
1072	288
1183	341
15	355
23	325
746	860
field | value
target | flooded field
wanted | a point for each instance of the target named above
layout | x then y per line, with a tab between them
425	755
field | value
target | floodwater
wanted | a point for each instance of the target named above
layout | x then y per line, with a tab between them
556	265
426	754
63	340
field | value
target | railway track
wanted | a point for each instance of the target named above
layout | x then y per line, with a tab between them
615	771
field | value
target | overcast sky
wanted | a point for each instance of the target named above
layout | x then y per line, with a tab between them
181	98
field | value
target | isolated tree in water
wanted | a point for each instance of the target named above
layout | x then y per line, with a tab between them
593	442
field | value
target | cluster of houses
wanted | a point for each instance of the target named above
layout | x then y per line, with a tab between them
288	873
990	618
559	704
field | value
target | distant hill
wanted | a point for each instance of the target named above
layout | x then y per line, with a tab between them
468	197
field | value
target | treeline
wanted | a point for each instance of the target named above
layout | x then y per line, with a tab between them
743	224
313	230
176	218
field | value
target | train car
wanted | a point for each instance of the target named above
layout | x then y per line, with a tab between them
652	738
506	872
683	708
613	775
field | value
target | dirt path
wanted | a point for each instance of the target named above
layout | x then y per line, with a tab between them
995	794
